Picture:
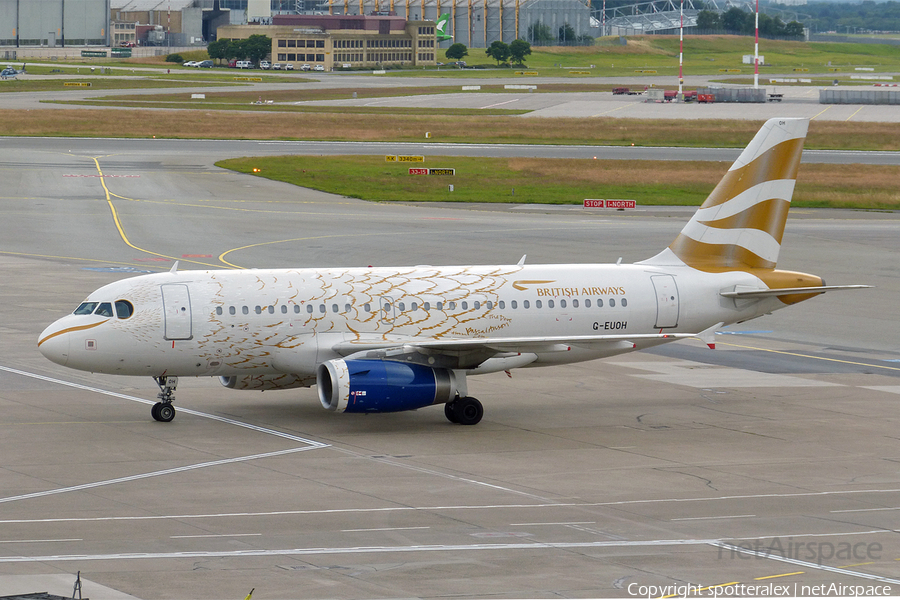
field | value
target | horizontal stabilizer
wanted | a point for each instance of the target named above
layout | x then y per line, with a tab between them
820	289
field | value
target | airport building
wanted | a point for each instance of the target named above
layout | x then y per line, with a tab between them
344	41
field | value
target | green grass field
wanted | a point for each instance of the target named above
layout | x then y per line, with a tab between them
543	181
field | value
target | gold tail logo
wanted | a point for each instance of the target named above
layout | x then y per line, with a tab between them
741	223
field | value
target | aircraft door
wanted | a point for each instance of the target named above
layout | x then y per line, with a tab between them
176	311
666	301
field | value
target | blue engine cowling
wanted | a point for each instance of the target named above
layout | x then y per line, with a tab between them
364	386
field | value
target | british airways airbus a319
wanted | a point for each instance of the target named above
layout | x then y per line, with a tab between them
395	339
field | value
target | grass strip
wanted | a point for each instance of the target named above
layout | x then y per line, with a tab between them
189	124
562	181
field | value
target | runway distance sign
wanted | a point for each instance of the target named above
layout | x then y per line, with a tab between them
423	171
407	159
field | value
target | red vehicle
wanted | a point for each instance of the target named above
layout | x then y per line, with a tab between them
670	95
707	98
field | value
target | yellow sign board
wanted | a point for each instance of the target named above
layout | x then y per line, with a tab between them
404	159
834	69
526	72
579	72
257	79
801	70
729	70
647	71
77	84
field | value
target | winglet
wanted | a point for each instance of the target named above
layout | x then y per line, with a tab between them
174	268
521	261
708	336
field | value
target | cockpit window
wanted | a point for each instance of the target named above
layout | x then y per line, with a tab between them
86	308
104	310
124	309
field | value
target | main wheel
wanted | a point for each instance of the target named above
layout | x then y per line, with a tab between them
166	412
468	411
154	411
450	412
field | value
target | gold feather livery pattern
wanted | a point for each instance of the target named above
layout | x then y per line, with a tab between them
741	223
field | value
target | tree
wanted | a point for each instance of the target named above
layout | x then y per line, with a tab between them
257	47
518	50
736	20
456	51
794	29
540	34
567	35
499	51
217	49
709	20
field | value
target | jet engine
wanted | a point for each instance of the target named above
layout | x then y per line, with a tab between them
362	386
266	382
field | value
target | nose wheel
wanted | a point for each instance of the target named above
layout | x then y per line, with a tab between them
164	410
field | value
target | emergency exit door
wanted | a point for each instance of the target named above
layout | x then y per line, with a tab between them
666	301
177	311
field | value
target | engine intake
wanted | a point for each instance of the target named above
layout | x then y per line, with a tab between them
364	386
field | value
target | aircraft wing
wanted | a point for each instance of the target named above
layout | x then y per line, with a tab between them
467	353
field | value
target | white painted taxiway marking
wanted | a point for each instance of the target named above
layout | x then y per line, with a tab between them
499	103
96	484
804	563
383	529
560	523
214	535
451	507
294	438
40	541
707	518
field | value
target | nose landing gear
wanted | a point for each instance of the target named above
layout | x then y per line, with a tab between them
164	410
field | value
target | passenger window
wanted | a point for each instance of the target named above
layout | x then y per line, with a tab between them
334	308
575	303
490	305
427	306
258	309
465	305
309	308
501	304
296	308
440	306
525	304
401	306
367	307
86	308
125	309
104	310
347	308
218	310
322	308
599	303
452	306
231	310
624	302
549	303
612	302
245	310
587	303
537	304
562	303
271	310
413	306
514	304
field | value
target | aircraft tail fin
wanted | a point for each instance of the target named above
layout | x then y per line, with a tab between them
442	26
741	223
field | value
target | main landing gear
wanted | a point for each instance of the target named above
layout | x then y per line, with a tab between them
163	410
465	411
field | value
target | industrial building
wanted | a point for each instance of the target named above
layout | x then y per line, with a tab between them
54	23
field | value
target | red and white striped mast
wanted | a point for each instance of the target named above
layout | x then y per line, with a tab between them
681	54
756	52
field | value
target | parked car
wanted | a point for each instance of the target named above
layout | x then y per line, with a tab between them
289	67
459	63
243	64
305	67
190	63
277	66
318	68
205	64
264	64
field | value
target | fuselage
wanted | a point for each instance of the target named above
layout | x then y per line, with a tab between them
257	322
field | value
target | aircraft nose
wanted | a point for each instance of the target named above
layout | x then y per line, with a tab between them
54	344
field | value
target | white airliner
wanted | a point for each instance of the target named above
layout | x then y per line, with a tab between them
394	339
